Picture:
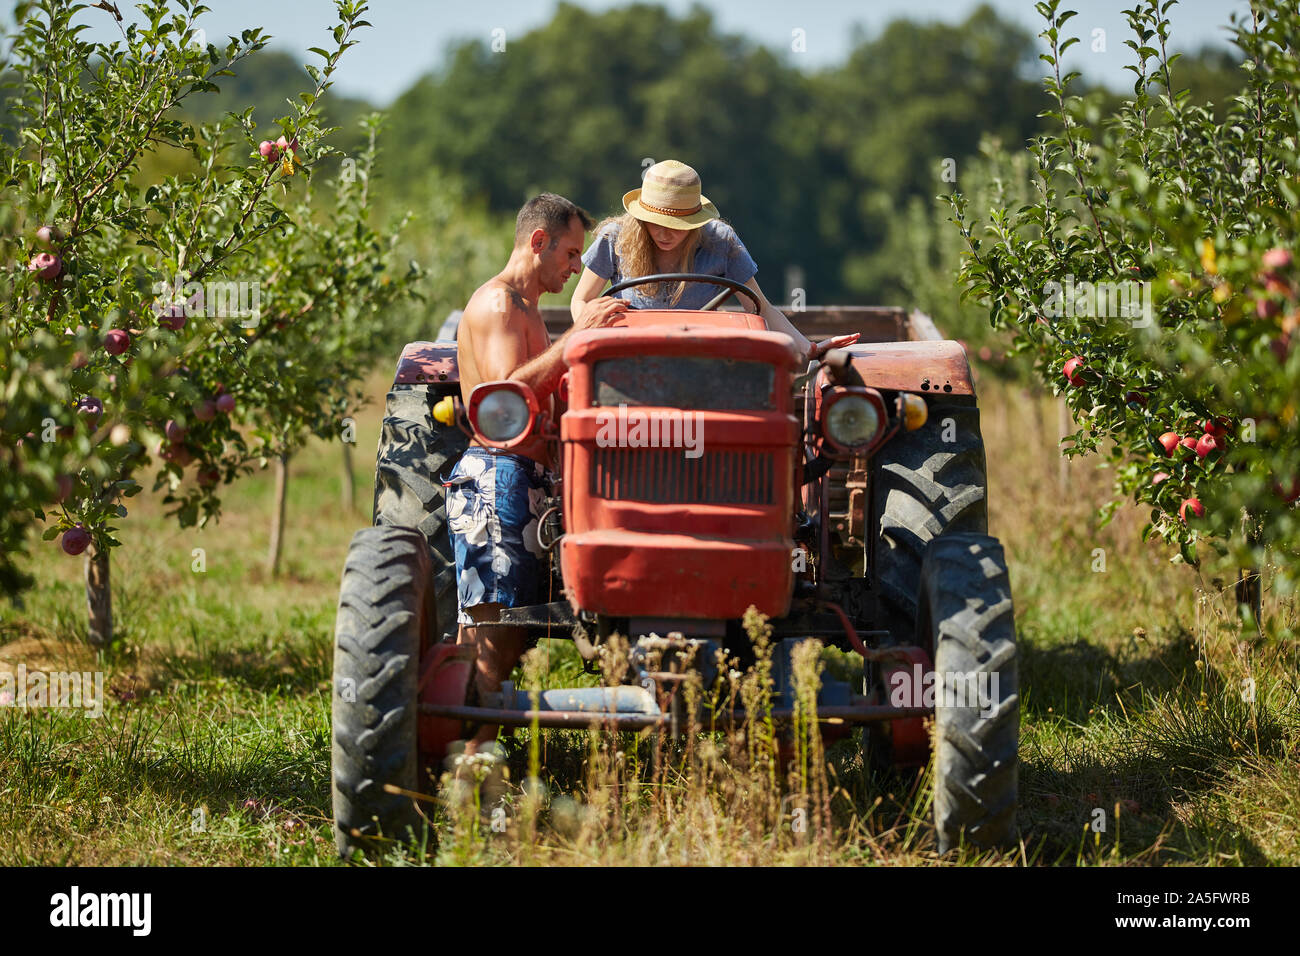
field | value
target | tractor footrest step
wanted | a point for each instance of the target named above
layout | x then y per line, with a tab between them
862	714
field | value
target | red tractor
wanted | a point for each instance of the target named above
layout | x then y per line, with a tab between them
702	472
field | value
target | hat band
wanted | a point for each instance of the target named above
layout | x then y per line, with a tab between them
664	211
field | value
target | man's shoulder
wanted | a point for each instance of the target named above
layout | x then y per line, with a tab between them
494	300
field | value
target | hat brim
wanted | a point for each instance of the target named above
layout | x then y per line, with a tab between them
706	213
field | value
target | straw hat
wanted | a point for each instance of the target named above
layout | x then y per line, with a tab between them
670	197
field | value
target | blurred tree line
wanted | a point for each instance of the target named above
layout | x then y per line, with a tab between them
811	167
830	176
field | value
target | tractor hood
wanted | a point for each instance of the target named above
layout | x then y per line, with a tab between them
682	338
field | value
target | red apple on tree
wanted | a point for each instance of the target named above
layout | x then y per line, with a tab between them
1135	398
46	265
116	342
1276	285
205	410
48	235
173	318
174	431
1194	506
226	403
176	453
90	408
1159	477
75	540
1189	442
269	151
1207	444
1073	371
1276	258
1169	441
209	477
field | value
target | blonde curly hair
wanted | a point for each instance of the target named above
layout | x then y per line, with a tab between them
635	250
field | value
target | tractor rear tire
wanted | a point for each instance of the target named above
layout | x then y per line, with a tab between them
966	611
924	484
416	453
384	607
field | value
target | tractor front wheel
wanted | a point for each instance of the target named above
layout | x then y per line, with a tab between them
965	611
385	607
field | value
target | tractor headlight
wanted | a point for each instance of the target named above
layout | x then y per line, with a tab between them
502	413
852	421
502	416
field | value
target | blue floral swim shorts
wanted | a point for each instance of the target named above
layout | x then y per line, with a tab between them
493	504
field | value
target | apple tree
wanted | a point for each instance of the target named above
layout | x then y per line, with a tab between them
96	331
1153	278
331	291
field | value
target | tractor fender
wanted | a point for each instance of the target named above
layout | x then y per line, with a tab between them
429	363
921	367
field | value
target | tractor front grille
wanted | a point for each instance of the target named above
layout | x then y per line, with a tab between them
667	476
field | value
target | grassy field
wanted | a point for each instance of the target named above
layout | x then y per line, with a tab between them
214	745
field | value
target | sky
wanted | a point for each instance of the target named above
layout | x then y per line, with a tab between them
409	37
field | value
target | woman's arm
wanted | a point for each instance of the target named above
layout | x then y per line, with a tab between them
589	287
776	320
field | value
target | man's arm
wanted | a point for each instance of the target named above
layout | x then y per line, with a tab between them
501	343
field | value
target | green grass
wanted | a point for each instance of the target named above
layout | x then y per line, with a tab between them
214	746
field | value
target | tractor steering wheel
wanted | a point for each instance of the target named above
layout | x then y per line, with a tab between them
731	287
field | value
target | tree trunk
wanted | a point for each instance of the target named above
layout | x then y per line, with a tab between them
1250	589
99	598
349	481
1064	427
277	515
1249	593
1034	402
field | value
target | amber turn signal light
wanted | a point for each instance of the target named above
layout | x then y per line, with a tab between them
445	410
913	410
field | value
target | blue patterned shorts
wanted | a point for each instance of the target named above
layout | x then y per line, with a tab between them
493	505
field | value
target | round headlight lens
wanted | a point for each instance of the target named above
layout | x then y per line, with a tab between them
852	421
502	415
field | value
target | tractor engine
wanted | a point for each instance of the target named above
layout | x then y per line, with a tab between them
680	465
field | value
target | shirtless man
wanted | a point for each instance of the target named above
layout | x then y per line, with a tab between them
493	498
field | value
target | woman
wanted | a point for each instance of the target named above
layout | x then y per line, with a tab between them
670	226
